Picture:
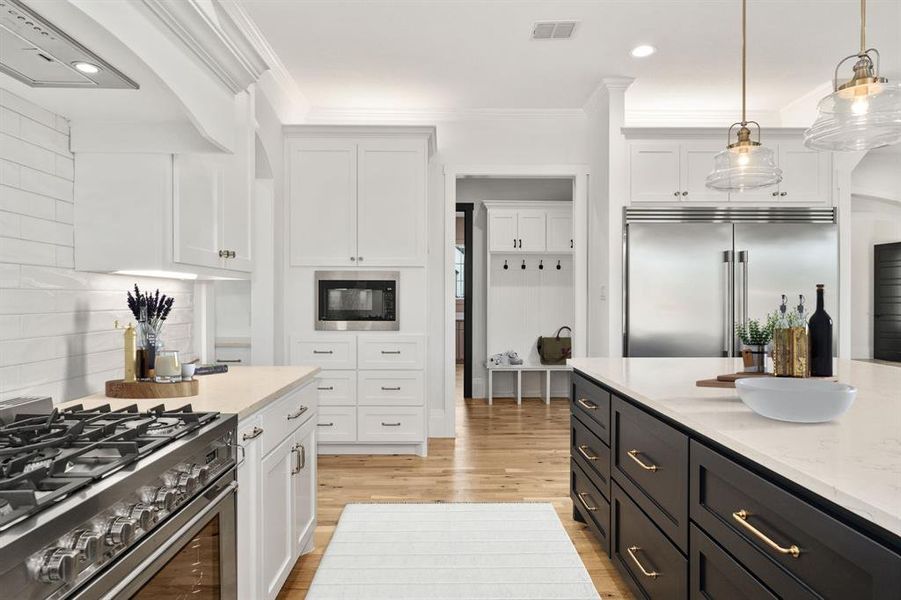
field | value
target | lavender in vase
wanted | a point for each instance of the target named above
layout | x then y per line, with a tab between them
150	309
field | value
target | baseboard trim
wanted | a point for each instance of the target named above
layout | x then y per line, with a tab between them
420	449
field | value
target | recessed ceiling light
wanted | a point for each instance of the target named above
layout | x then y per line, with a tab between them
86	67
643	51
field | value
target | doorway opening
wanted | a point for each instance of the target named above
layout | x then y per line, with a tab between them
463	296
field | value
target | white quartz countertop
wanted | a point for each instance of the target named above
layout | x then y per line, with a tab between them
241	391
854	461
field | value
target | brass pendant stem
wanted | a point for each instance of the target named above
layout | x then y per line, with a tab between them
744	59
863	26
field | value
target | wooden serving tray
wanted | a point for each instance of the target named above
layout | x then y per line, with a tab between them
728	380
117	388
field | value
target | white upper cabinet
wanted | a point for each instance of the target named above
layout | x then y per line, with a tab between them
391	202
198	198
654	172
358	196
515	227
559	230
671	170
323	202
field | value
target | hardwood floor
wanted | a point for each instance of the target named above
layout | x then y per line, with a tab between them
502	453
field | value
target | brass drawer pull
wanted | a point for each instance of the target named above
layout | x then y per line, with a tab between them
583	450
742	518
300	411
253	434
390	424
588	404
632	550
295	469
323	351
391	388
633	454
390	351
588	507
326	388
329	424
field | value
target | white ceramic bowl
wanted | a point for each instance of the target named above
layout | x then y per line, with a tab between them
796	400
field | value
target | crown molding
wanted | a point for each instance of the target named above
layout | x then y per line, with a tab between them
694	118
215	39
321	115
356	131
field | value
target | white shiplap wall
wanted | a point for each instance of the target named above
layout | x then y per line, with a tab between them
56	324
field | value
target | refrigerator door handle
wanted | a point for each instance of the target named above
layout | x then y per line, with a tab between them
743	258
728	318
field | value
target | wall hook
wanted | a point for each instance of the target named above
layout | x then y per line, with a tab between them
523	267
506	266
558	264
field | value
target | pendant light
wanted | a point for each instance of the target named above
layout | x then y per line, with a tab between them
745	164
862	113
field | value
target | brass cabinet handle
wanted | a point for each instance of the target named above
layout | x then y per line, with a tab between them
303	457
390	389
583	450
588	404
323	351
390	351
253	434
632	550
326	388
299	412
633	454
588	507
390	424
742	518
228	360
329	424
296	468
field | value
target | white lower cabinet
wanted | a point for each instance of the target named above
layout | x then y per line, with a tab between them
276	491
390	424
337	424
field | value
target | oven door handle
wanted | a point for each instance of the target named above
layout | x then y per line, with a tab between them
147	563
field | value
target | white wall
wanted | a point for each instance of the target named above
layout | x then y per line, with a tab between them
476	191
56	324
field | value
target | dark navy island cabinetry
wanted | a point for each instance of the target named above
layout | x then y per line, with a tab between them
682	517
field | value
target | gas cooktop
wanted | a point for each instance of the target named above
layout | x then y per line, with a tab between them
45	457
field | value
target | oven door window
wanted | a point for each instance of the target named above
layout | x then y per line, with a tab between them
192	573
356	300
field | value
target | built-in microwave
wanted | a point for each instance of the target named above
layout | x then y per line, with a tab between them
356	300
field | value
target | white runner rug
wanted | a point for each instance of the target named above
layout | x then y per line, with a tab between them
451	552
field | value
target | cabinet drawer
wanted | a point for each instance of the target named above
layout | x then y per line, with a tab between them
592	403
650	461
390	424
286	414
392	352
590	504
716	576
651	563
591	454
233	355
330	352
337	388
391	388
748	515
337	424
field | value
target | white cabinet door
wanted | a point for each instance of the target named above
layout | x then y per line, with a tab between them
654	172
559	231
304	487
249	501
236	215
277	510
391	202
696	162
806	174
198	188
322	196
502	231
531	230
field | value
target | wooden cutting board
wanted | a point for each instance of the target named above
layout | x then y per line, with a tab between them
116	388
728	380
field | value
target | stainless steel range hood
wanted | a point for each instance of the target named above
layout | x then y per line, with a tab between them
39	54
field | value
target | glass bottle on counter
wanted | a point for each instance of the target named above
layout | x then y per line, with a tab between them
820	331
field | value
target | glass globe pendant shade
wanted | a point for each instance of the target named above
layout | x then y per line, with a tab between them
744	165
857	117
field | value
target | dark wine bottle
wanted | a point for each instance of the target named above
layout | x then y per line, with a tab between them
820	333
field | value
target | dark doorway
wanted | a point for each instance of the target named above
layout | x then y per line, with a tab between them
887	302
465	208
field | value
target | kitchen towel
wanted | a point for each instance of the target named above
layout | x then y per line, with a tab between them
458	551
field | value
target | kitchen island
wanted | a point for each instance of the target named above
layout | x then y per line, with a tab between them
702	489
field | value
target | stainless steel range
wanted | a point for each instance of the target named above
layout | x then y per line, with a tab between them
102	503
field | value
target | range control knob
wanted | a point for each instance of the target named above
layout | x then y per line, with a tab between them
87	543
163	498
58	564
120	531
186	483
143	514
201	472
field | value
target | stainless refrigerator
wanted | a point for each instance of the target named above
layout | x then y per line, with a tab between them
691	274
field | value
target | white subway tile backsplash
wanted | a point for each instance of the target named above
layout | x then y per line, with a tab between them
56	324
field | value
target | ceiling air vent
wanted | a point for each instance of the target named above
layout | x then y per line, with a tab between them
553	30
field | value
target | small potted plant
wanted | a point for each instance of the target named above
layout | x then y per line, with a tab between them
755	336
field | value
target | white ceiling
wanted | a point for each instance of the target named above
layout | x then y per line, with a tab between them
459	55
